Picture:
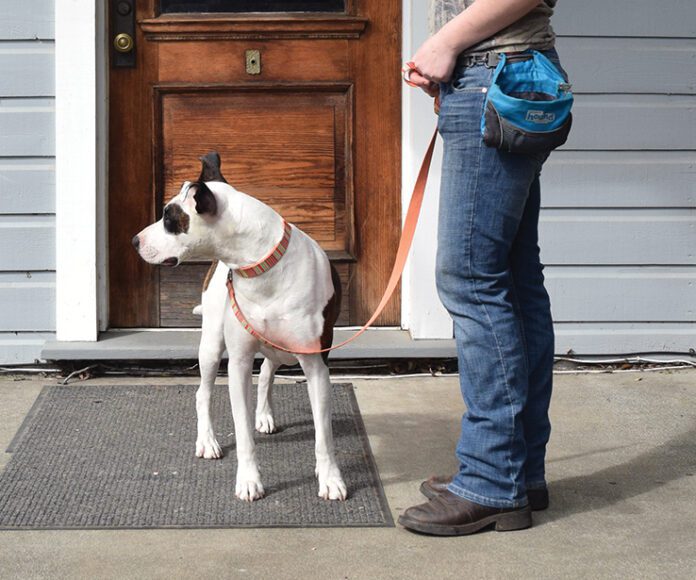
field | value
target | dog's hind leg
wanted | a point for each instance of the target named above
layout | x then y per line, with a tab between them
331	485
264	405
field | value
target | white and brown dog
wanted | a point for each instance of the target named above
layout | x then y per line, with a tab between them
286	288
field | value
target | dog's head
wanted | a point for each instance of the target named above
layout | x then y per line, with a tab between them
185	231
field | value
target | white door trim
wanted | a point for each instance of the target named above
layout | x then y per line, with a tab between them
81	121
422	312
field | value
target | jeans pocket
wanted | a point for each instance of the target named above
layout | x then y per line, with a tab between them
470	80
457	87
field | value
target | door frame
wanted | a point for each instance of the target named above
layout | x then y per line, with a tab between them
81	178
81	153
422	313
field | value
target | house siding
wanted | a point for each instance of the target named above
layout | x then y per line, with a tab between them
27	179
618	220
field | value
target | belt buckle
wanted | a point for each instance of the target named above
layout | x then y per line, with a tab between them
492	59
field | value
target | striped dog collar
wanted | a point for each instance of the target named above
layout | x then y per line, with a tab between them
272	259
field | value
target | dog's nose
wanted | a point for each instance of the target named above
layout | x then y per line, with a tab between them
136	242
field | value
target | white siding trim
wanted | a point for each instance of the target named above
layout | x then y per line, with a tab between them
79	168
421	311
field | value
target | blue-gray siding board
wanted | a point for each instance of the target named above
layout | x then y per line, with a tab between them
27	179
27	185
27	127
22	347
630	65
613	179
28	68
28	243
29	300
27	20
624	18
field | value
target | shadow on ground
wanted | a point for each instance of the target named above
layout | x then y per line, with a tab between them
413	446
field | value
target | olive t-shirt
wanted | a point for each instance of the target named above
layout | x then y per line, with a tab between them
533	30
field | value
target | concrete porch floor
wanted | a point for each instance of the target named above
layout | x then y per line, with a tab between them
621	470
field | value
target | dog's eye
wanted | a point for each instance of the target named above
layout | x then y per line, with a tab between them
175	220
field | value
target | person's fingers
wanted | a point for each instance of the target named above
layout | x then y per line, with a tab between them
428	76
422	75
419	80
433	89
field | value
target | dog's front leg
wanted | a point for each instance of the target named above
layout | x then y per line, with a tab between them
248	486
331	485
209	353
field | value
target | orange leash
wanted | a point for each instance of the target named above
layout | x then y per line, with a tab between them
409	230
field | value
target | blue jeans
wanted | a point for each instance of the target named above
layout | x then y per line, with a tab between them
489	278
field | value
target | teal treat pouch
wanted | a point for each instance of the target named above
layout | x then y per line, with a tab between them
527	108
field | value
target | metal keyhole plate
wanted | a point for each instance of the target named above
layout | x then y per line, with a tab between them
253	62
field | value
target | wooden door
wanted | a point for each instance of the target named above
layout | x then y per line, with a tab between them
315	134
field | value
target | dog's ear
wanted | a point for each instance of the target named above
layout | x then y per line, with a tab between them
210	171
205	200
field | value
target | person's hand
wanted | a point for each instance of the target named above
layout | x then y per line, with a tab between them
414	77
434	63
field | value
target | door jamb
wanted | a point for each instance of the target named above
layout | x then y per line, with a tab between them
422	312
81	147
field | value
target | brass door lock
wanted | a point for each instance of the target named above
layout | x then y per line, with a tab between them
123	42
123	51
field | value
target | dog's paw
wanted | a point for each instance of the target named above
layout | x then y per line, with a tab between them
249	487
333	488
265	423
331	485
249	490
207	447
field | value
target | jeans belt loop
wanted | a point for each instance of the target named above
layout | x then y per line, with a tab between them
492	59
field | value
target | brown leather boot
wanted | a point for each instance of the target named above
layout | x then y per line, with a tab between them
448	514
435	484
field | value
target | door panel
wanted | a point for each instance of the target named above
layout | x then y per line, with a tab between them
285	147
224	61
316	135
168	6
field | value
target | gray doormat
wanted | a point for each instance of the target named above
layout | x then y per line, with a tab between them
123	457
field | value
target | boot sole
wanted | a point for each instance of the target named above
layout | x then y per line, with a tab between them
428	492
505	522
